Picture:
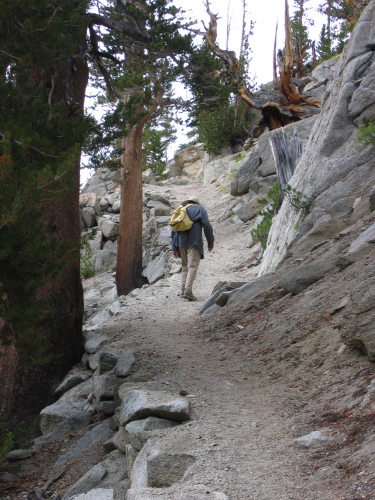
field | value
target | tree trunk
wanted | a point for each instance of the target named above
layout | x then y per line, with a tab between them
129	255
25	390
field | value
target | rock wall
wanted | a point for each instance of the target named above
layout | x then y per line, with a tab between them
334	170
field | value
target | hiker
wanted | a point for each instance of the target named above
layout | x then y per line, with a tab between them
189	245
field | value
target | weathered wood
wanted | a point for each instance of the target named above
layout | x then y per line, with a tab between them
279	107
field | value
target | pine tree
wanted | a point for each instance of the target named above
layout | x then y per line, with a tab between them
219	118
341	18
41	129
157	136
300	36
141	81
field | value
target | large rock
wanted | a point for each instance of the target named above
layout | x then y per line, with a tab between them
318	439
89	216
70	408
248	211
163	236
148	177
241	182
71	381
155	196
104	386
90	200
246	293
90	441
138	432
94	341
106	362
333	168
106	259
102	182
124	363
108	228
105	475
162	464
167	469
188	156
160	209
299	279
221	288
357	325
139	404
156	269
325	71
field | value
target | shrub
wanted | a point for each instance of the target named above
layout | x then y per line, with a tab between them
86	265
272	202
367	131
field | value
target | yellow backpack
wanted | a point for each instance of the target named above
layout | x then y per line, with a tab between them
180	220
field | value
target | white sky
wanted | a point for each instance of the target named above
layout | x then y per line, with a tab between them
265	14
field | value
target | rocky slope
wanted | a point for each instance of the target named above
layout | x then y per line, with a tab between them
265	387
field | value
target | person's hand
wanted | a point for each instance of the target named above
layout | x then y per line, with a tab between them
175	254
210	249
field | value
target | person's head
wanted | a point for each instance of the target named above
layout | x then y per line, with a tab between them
191	200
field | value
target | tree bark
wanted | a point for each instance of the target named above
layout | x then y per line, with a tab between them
25	390
129	254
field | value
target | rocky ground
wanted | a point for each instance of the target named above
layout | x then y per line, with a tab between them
257	378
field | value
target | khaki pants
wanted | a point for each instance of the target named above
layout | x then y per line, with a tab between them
190	261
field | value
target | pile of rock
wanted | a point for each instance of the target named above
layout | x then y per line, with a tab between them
127	418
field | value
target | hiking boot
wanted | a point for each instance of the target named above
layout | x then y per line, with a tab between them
182	292
189	295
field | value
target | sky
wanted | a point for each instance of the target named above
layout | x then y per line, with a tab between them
265	13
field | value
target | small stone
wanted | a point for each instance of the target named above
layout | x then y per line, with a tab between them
15	455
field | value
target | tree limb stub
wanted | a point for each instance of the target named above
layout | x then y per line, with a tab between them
228	57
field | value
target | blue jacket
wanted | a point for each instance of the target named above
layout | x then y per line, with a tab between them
193	237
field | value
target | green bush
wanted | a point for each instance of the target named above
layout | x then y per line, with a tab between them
86	265
296	198
13	436
6	445
272	202
367	131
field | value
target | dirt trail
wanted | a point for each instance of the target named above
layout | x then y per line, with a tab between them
241	415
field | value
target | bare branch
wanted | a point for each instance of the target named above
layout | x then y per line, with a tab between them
229	58
10	55
29	147
119	27
96	57
275	79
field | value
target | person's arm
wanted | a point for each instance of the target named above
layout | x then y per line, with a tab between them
207	228
174	245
